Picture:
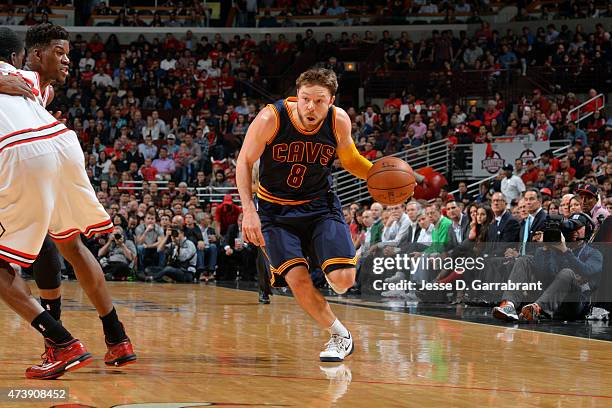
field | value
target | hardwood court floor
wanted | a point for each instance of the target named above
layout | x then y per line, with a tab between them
199	344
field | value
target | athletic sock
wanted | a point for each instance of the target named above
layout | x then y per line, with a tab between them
53	306
113	329
51	329
338	328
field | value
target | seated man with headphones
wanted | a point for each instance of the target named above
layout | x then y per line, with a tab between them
567	265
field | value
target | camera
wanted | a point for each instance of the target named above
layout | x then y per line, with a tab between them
174	233
118	236
555	225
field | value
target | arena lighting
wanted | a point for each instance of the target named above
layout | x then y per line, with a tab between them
350	67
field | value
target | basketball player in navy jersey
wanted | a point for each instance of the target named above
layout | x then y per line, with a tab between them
295	217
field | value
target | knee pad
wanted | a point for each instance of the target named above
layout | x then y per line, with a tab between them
47	268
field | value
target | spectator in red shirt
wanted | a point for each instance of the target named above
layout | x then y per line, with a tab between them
595	104
539	101
147	171
226	215
491	113
531	173
565	166
369	152
393	101
548	163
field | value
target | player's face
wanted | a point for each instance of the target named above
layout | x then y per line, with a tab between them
313	103
52	62
17	59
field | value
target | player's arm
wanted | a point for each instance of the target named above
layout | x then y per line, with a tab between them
348	154
261	131
15	86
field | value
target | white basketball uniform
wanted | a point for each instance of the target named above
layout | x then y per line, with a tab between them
44	187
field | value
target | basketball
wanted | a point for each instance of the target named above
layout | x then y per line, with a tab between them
391	181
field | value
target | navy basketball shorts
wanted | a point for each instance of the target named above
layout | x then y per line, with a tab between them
311	234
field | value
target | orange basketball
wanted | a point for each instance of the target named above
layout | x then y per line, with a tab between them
391	181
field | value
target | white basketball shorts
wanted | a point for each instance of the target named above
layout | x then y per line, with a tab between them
44	188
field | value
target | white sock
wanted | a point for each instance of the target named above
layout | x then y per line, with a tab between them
338	328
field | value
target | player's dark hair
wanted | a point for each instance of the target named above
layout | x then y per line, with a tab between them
41	35
10	44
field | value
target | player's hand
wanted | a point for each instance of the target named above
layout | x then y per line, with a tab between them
15	86
201	245
251	228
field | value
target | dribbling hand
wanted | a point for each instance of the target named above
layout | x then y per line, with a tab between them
251	228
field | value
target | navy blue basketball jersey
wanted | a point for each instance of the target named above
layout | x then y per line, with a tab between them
295	166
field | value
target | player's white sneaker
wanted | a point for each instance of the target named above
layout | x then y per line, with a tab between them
339	377
335	289
337	348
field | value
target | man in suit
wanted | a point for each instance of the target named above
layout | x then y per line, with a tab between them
413	208
533	223
238	256
460	227
504	231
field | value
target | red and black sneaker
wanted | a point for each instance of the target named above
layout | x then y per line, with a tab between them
120	354
59	358
531	312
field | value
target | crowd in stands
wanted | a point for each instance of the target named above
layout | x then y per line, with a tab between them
504	229
281	13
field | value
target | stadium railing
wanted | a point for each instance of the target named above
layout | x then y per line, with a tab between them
580	112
